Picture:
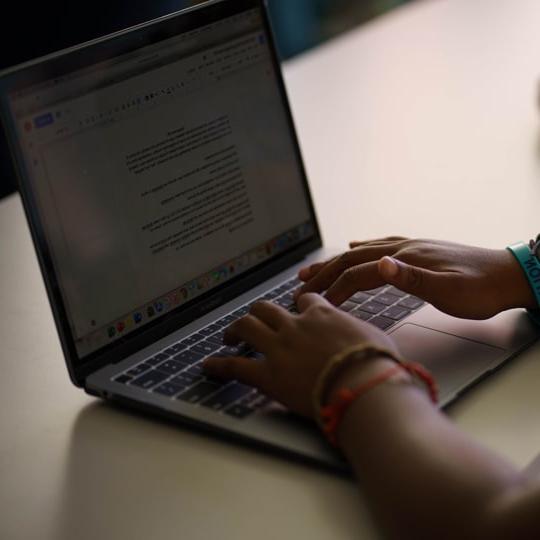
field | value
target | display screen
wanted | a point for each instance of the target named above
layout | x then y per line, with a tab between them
161	174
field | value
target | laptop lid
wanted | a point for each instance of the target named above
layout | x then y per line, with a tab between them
160	174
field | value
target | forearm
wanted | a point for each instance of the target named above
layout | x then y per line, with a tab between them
422	476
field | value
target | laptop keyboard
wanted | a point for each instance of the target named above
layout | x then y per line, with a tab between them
176	372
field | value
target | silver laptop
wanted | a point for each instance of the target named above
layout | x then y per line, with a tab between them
163	184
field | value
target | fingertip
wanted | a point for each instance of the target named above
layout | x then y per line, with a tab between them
303	274
388	268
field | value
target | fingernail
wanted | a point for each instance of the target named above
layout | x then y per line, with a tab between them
389	267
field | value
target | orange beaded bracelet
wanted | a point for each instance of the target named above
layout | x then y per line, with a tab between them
331	415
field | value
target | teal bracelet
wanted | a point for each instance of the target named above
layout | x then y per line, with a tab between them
531	267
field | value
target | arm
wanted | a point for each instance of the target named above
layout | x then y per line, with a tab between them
422	476
426	479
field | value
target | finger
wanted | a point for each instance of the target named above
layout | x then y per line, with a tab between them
246	370
362	277
330	273
379	241
252	331
423	283
309	300
308	272
270	314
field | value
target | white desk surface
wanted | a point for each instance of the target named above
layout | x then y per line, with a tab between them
424	122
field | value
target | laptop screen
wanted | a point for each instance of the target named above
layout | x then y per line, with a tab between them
161	174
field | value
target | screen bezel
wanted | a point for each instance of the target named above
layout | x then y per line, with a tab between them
106	48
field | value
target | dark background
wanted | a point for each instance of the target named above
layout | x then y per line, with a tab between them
32	29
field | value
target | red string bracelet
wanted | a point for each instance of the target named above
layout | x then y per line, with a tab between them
331	415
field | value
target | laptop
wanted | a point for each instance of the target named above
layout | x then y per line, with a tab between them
165	192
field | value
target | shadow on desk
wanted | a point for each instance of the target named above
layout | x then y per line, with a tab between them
131	474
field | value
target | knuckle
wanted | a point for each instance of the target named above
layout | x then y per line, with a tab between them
349	276
345	259
405	255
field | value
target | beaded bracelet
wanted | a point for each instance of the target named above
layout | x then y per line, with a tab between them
330	416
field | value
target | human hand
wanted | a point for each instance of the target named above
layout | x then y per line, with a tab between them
296	348
463	281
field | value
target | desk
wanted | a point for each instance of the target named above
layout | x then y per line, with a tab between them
423	122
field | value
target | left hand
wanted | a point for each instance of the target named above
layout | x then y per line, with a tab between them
463	281
296	348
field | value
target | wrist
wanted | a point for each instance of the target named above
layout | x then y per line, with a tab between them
355	374
339	385
396	403
513	283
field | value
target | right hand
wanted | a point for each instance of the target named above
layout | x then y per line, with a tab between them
296	349
463	281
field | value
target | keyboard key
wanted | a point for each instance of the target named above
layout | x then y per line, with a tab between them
226	321
373	292
359	297
241	312
281	289
122	379
382	322
177	347
239	411
209	330
255	401
396	313
191	340
348	306
362	315
137	370
386	299
231	351
270	295
205	348
186	379
411	302
188	357
372	307
155	360
217	338
171	367
195	370
149	379
169	389
283	302
161	356
294	282
227	396
396	292
199	392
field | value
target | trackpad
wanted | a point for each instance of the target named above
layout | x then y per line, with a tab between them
455	362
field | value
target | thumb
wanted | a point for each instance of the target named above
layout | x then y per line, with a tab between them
411	279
